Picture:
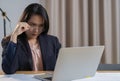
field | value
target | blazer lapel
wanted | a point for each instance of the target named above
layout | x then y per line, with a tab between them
28	52
43	45
30	55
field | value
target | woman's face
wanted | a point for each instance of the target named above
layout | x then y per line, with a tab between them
36	23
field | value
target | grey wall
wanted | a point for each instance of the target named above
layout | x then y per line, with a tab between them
13	9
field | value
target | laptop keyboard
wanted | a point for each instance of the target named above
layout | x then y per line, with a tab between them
44	77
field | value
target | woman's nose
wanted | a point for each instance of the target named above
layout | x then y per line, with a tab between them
36	29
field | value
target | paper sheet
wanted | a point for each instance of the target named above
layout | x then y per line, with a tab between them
17	77
103	77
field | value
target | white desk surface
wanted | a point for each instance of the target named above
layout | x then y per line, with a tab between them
28	76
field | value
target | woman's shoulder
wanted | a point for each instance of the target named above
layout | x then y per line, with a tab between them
49	36
51	39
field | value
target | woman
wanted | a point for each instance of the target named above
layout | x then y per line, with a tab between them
29	47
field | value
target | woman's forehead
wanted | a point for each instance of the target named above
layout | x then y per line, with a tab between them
36	19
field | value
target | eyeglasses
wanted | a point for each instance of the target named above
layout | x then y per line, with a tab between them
35	25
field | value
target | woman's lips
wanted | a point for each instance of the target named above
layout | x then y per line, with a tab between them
34	34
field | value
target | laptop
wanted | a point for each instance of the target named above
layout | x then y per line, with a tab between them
75	63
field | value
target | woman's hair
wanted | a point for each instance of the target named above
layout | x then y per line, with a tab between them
36	9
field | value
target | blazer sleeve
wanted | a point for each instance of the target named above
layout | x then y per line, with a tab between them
9	59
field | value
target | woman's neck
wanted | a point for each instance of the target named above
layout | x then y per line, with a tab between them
32	41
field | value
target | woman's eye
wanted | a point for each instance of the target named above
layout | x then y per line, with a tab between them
41	25
35	25
32	25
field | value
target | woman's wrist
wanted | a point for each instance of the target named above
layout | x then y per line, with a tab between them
13	38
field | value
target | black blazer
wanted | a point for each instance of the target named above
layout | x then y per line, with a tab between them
18	57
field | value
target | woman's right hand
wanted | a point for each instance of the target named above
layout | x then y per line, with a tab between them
20	28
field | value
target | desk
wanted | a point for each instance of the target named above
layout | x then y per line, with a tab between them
31	72
38	72
2	73
108	71
26	72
